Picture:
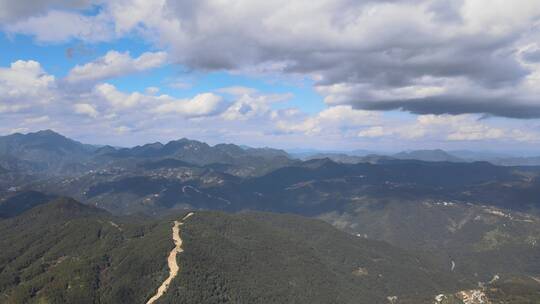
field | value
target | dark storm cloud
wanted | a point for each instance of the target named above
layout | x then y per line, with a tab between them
456	105
531	56
418	43
12	10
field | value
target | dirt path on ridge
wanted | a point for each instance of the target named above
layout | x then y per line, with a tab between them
171	260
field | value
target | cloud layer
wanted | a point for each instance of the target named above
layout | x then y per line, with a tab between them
33	99
425	57
114	64
456	66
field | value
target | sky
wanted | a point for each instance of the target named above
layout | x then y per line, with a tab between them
384	75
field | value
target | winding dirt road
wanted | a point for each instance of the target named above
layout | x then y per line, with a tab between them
173	265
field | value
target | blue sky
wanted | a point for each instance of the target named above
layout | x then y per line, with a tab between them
54	58
291	74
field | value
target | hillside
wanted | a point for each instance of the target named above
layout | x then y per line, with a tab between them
66	252
243	258
19	202
481	241
268	258
308	188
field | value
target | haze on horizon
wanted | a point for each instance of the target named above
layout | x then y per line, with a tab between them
326	75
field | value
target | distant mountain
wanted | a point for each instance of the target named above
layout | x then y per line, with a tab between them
500	159
51	154
243	258
306	154
517	161
198	152
437	155
478	155
350	159
244	161
406	172
169	163
422	155
26	146
428	155
308	188
43	152
104	150
268	152
3	170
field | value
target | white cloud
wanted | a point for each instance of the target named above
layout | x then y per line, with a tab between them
86	109
205	104
24	84
151	90
117	99
36	120
373	132
122	130
334	120
249	103
460	127
17	130
61	26
5	108
450	128
115	64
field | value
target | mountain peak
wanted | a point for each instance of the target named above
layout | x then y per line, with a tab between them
47	132
319	162
69	207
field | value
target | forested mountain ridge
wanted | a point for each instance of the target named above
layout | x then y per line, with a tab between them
49	153
252	257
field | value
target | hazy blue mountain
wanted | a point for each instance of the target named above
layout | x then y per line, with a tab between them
478	155
517	161
243	162
44	152
350	159
502	159
428	155
306	154
49	153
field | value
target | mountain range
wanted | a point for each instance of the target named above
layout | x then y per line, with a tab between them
46	153
362	231
436	155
